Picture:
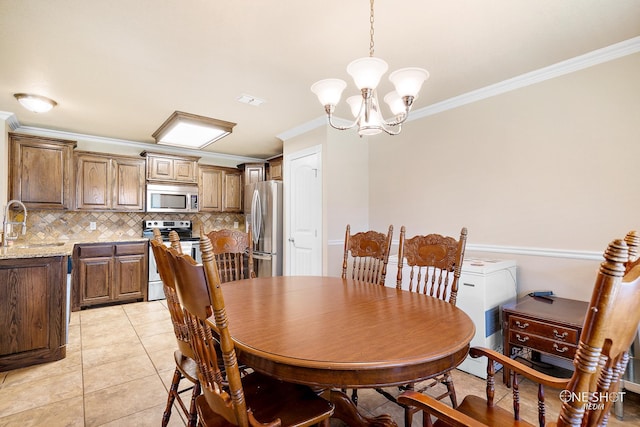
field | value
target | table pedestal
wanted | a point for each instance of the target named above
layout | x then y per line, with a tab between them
346	411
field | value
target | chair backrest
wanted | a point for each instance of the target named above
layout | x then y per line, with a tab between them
610	325
435	261
369	251
233	253
633	242
160	253
198	289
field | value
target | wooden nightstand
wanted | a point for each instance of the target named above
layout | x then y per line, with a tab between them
552	326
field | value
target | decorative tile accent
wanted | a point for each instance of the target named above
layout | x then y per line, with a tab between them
48	226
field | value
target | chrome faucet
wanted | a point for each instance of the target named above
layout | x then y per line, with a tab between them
6	224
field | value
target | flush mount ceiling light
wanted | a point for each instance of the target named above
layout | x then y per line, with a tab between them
191	131
366	73
35	103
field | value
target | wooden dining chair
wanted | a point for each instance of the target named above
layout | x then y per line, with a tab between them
185	365
366	255
233	252
435	263
255	399
610	325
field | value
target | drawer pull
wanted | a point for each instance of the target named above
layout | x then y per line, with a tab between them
559	335
521	325
560	350
519	338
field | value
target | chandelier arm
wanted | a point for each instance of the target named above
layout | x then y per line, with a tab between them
335	126
399	119
391	131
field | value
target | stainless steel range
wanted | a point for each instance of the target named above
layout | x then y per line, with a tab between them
188	243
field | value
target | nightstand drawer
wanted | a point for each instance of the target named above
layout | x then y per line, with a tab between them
543	329
557	348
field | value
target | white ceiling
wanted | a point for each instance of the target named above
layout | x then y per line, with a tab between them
119	68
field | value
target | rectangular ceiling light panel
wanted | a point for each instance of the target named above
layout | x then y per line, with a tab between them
191	131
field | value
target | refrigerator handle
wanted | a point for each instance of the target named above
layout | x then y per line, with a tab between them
256	216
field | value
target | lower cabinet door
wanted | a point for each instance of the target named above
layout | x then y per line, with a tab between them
95	279
129	272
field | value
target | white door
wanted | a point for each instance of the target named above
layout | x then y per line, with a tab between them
304	201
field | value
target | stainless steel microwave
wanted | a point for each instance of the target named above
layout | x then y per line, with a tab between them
172	198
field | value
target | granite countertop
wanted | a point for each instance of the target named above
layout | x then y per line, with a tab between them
20	249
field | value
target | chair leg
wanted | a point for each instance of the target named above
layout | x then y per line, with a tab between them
173	391
448	381
354	396
193	413
408	417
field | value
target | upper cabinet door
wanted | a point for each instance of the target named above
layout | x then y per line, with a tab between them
210	187
169	168
93	182
220	189
128	185
253	172
232	194
41	171
112	183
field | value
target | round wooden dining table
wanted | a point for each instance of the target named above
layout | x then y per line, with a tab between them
334	333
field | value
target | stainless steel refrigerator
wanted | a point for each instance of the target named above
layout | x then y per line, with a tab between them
263	211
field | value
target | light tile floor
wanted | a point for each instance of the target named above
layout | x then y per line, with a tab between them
119	366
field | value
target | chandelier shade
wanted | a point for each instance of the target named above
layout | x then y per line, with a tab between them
395	103
408	81
367	73
329	91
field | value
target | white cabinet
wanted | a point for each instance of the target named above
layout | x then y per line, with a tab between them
485	285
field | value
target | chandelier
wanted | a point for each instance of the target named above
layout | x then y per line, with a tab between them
366	73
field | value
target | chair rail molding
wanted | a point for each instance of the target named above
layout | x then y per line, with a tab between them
519	250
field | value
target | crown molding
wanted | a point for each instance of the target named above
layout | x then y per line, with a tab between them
10	119
599	56
141	145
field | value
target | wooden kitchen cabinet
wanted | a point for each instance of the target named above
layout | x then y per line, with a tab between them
105	182
169	168
220	189
107	273
232	192
41	171
275	168
253	172
33	308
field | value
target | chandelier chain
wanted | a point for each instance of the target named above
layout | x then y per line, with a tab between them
371	50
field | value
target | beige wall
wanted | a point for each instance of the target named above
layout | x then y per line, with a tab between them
548	166
345	187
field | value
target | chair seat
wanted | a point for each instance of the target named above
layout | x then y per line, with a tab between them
476	408
269	399
186	366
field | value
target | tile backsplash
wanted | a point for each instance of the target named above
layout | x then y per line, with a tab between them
52	225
